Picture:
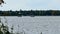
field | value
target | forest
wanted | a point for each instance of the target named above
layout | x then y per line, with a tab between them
30	13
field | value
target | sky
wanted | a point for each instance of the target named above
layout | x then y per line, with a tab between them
31	4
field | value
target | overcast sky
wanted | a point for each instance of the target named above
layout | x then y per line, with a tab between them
30	4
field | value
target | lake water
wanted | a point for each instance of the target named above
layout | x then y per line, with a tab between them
34	25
